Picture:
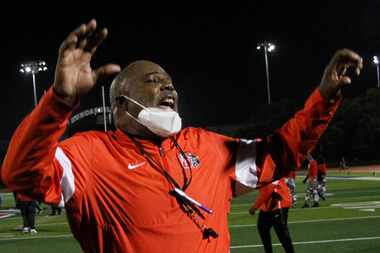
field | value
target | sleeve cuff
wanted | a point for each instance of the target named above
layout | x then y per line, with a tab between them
53	105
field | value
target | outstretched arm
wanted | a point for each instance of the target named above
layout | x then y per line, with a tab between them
31	165
288	146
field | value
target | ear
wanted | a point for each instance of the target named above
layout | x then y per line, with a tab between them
121	103
114	110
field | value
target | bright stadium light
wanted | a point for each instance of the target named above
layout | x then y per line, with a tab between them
271	48
33	68
375	60
268	47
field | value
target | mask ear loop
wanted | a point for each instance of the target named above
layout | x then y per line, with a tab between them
129	114
132	100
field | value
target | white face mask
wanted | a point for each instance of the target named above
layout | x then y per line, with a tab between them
162	122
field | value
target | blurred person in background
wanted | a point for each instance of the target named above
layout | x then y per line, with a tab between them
55	210
322	178
28	212
291	182
311	196
274	201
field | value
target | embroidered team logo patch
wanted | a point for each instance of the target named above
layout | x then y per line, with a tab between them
191	158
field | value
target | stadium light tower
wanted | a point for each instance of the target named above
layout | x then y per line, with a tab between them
375	60
104	109
33	68
267	47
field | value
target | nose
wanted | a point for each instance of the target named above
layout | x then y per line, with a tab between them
168	86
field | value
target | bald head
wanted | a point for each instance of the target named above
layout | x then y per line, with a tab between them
126	77
148	84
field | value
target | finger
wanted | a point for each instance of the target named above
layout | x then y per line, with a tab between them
85	30
77	35
71	41
359	67
348	70
96	40
85	35
82	43
344	56
344	80
341	69
350	57
357	71
106	70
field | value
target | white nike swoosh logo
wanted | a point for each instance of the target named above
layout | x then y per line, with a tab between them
134	166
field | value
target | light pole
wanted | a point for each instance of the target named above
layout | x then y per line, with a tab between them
33	68
268	47
375	60
104	109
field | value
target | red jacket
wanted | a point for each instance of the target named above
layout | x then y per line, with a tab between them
292	174
117	202
322	169
23	198
274	196
313	169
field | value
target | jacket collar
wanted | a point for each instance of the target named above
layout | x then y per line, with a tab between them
148	145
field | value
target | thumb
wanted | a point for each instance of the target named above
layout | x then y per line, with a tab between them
344	80
106	70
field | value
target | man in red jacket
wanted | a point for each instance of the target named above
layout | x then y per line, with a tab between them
274	202
151	186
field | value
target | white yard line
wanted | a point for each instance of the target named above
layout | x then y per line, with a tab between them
363	207
38	225
31	237
232	247
290	210
6	216
356	204
51	224
312	221
302	194
310	242
354	178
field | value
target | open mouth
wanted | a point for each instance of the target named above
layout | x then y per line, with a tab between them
167	103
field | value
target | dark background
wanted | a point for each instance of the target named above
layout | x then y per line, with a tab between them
210	51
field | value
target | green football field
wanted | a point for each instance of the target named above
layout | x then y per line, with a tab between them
348	221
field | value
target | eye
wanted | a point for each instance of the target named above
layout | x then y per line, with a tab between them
153	80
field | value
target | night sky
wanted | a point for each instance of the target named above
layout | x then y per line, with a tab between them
210	51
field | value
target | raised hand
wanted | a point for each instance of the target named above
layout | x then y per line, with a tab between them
336	73
74	76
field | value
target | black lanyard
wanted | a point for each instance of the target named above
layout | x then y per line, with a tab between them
190	210
160	168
